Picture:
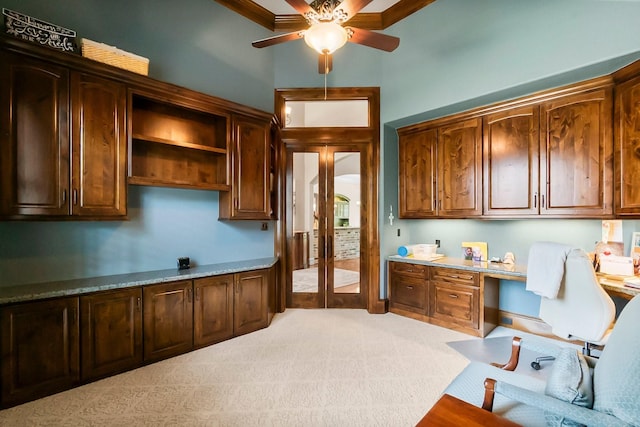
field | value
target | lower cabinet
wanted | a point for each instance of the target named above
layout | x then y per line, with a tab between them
40	349
111	332
250	301
213	309
409	287
53	345
168	319
457	299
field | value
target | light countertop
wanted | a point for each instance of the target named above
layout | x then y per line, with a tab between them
518	272
37	291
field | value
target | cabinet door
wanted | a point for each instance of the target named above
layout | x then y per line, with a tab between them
576	155
250	301
99	146
213	309
511	162
416	168
627	149
460	169
34	137
111	331
250	171
40	348
454	298
168	319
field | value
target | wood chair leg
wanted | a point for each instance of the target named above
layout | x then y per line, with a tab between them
489	392
512	364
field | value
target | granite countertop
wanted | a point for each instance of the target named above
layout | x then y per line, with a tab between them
518	272
37	291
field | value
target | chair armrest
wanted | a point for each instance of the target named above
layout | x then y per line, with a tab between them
512	363
576	413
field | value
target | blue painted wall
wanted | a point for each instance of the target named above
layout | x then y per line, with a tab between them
188	44
454	55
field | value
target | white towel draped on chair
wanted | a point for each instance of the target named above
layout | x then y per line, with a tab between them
545	268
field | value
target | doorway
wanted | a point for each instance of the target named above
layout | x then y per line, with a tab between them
326	216
327	238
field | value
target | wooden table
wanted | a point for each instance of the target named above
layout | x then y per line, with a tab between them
451	411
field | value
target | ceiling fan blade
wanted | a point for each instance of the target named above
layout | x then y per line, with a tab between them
301	6
325	63
280	38
373	39
352	7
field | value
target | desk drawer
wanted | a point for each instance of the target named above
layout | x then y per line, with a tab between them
408	269
454	276
455	304
408	293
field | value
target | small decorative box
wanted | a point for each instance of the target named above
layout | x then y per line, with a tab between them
35	30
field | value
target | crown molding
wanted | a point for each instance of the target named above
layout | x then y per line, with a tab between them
280	23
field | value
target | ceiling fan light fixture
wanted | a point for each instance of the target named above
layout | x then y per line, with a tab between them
326	37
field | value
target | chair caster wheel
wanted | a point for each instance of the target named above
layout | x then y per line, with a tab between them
535	365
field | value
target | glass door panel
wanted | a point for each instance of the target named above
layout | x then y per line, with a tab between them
346	231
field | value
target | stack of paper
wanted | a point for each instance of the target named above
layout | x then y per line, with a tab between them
632	282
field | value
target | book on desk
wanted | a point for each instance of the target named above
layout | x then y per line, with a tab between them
631	282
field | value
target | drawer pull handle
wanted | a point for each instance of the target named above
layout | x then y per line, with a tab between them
453	296
410	288
454	276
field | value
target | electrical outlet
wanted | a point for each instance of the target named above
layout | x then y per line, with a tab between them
437	243
398	232
264	226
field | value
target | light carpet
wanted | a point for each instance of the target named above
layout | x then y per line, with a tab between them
306	280
309	368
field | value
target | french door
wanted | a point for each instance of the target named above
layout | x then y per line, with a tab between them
325	203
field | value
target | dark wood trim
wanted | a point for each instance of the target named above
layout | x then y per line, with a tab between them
370	134
289	22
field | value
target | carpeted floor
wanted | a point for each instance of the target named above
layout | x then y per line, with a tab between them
309	368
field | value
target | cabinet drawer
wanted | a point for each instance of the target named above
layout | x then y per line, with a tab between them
453	276
409	294
408	269
455	304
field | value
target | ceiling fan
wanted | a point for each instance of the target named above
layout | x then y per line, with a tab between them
326	32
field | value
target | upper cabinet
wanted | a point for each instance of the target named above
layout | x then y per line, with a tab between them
459	172
547	155
63	142
251	172
441	171
417	168
627	147
576	155
511	159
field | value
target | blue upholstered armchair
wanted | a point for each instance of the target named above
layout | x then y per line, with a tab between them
579	390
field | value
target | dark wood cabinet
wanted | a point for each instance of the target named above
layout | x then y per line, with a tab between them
40	349
459	171
99	175
576	155
408	288
34	137
251	174
251	301
111	332
213	309
511	162
168	319
627	148
455	298
63	141
417	168
177	142
440	170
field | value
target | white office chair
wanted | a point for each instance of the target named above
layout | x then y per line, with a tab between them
581	310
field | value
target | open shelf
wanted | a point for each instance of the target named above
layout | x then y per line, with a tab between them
176	146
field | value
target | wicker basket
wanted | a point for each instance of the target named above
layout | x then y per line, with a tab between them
113	56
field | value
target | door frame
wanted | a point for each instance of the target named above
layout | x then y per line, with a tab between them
370	241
